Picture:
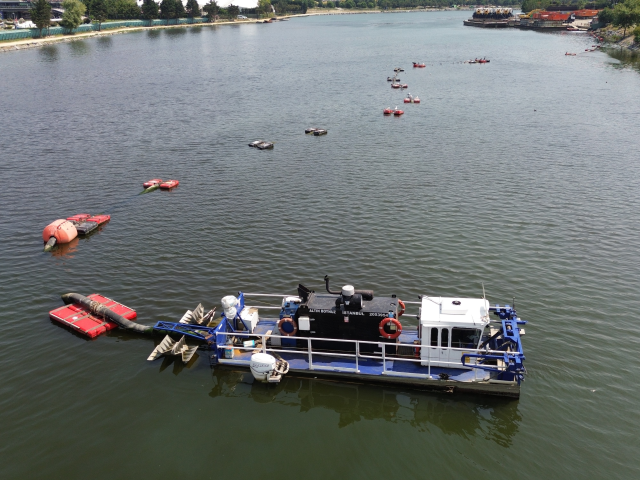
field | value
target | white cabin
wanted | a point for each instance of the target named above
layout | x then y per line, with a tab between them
450	327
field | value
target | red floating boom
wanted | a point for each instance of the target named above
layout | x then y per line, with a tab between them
85	322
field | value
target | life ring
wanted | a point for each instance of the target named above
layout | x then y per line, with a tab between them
402	307
287	327
389	321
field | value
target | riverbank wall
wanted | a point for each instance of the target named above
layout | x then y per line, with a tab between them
34	33
30	38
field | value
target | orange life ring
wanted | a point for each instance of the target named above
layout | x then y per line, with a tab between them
390	321
288	321
402	307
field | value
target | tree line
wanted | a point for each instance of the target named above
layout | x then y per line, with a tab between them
623	15
102	10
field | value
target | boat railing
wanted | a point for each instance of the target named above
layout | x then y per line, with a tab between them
384	357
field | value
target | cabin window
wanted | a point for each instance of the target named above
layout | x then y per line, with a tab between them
444	338
434	337
465	337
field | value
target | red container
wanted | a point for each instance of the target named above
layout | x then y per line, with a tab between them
99	219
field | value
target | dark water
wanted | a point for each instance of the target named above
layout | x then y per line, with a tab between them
521	174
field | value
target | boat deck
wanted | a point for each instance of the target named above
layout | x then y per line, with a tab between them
326	362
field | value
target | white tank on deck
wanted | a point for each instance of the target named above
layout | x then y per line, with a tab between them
348	291
261	365
229	305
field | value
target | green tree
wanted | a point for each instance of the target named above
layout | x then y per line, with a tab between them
168	9
264	7
330	5
97	9
606	16
180	11
73	12
127	9
623	17
41	14
211	9
150	10
193	9
233	10
349	4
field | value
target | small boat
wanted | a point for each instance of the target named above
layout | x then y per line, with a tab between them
483	60
387	111
256	143
265	146
418	65
391	79
397	112
416	100
395	85
570	54
398	69
152	183
456	347
409	99
310	130
404	85
319	132
169	184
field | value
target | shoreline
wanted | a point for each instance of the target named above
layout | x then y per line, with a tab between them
23	44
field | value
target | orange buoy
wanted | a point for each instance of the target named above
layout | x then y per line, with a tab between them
60	231
402	307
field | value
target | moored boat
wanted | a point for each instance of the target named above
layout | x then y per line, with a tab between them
355	335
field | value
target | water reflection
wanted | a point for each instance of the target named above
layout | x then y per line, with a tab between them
49	53
491	418
66	249
175	32
79	48
627	58
105	42
153	34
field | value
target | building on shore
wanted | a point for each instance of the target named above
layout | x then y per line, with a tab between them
13	10
490	17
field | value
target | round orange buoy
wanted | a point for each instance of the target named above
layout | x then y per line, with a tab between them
402	307
390	328
287	327
62	230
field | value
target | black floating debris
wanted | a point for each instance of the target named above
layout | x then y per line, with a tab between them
261	145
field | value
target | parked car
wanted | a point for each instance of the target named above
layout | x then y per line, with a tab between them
242	17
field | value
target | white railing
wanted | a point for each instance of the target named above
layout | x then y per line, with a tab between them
357	355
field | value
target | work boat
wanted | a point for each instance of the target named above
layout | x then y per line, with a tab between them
459	344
